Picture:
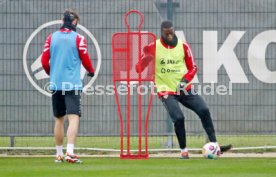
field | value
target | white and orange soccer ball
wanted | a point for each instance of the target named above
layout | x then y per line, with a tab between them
211	150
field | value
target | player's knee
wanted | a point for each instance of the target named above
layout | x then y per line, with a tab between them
179	118
203	112
179	122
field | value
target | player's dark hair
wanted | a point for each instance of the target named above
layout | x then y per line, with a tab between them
166	24
68	17
70	14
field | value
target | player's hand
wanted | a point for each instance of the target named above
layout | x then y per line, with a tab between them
183	83
90	74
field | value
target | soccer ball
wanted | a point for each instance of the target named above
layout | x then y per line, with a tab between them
211	150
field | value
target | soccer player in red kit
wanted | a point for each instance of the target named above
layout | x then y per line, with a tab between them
174	70
64	52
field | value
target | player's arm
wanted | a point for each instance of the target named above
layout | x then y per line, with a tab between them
190	64
147	57
84	56
45	58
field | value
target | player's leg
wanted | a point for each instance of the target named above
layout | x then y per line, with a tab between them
59	130
171	104
195	102
59	136
72	132
72	101
59	111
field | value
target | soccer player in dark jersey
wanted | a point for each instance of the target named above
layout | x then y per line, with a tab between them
64	52
174	70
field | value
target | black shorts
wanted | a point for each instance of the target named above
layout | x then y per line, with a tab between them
66	102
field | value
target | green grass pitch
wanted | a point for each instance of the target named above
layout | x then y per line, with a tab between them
154	167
